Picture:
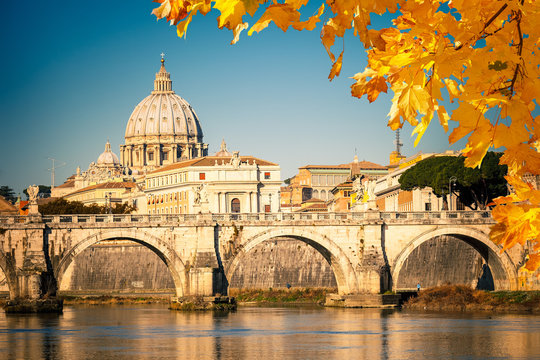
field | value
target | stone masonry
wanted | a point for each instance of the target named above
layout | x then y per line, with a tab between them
368	252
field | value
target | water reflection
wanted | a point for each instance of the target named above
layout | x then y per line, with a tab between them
149	332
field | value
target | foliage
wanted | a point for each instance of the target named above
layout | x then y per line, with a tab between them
475	188
44	191
479	54
287	181
281	295
464	298
8	193
63	207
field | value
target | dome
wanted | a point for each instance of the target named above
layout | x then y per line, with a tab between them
162	129
108	157
223	150
163	114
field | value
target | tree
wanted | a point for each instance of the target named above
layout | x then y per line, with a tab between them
475	188
481	53
8	193
65	207
44	191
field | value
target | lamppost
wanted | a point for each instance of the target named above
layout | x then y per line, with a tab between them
451	181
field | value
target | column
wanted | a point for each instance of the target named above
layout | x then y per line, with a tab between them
130	155
122	156
173	153
223	203
255	202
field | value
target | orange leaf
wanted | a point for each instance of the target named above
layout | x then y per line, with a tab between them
283	15
336	67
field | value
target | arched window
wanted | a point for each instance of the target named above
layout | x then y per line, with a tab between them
323	194
316	194
235	205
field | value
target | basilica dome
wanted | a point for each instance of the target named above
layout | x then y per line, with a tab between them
162	129
108	157
163	113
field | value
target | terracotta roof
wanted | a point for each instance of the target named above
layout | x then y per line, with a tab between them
365	165
67	184
6	207
342	166
107	185
368	165
289	205
313	200
313	207
211	161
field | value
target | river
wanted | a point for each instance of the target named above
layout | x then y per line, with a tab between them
154	332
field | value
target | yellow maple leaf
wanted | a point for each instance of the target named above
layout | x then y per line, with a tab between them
414	99
283	15
336	67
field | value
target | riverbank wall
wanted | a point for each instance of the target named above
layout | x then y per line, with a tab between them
124	267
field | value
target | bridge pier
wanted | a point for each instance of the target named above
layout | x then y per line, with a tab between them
33	288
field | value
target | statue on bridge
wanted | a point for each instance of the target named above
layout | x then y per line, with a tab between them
33	192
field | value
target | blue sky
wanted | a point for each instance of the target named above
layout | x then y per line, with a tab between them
72	72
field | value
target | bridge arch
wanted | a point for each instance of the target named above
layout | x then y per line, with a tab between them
157	245
9	272
502	267
338	260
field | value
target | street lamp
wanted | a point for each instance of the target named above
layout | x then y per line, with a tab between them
451	181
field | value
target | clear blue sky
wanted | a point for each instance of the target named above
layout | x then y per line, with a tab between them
73	71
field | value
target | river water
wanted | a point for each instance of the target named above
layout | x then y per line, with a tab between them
154	332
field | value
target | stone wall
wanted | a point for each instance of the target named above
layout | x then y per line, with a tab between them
125	266
122	266
277	263
445	259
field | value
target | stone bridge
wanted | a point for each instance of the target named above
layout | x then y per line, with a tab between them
368	251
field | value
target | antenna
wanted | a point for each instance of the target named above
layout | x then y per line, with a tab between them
54	167
398	143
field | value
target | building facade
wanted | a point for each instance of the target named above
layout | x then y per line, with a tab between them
320	182
216	184
390	197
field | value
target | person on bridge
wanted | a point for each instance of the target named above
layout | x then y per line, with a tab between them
418	287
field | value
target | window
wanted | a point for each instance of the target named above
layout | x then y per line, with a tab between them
267	175
150	156
165	155
428	207
235	205
202	176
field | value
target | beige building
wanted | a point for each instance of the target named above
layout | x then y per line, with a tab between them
109	193
224	183
319	181
163	129
390	197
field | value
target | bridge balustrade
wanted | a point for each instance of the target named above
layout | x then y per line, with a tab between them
390	216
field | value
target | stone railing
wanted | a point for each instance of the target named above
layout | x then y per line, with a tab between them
420	216
433	215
